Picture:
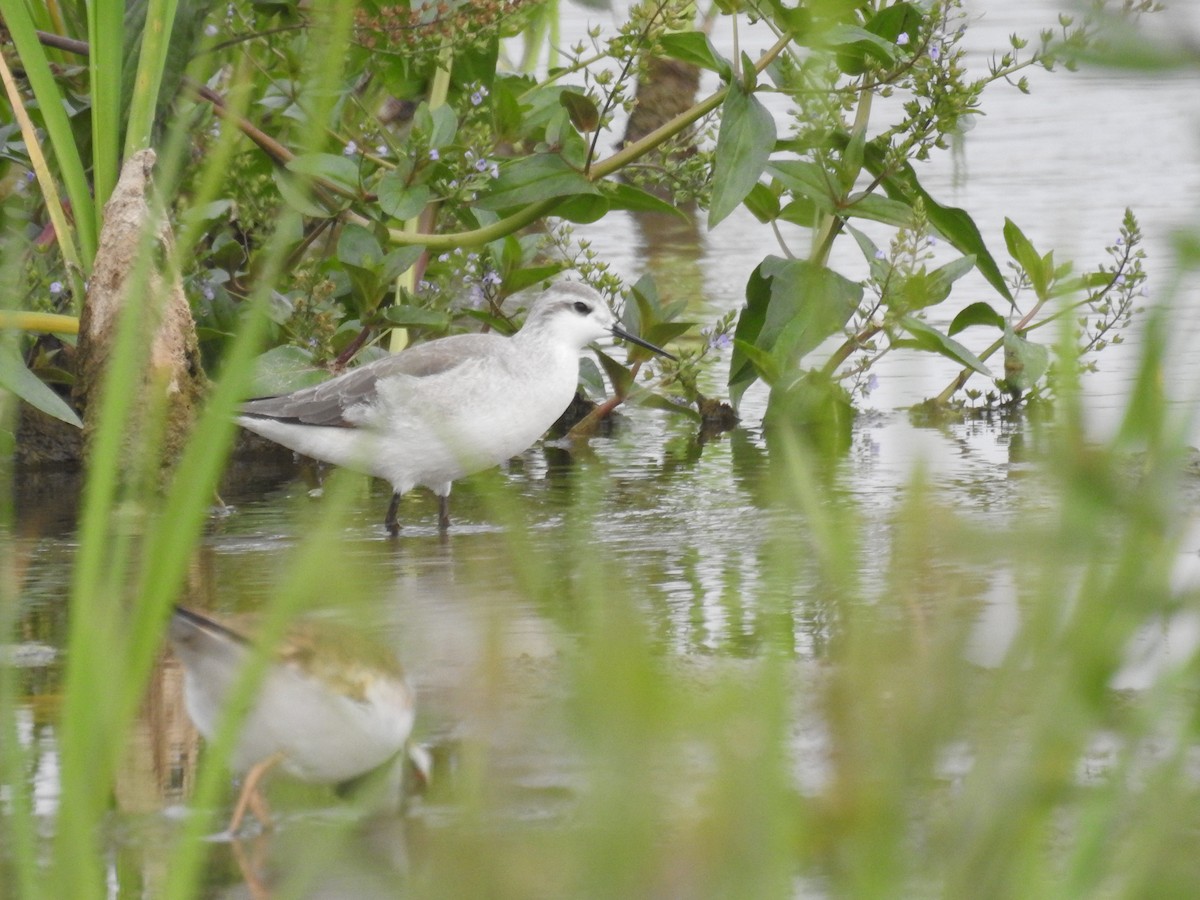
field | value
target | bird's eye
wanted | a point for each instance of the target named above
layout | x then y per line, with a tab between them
582	308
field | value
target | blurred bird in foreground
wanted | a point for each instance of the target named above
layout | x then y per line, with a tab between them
329	710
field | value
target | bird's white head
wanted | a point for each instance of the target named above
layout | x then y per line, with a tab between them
575	314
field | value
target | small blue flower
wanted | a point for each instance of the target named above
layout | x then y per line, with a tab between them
351	149
56	288
492	279
481	165
477	97
494	171
210	30
434	155
879	254
901	39
424	285
935	53
445	257
872	383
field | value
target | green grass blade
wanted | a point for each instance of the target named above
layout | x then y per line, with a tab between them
152	60
58	128
106	35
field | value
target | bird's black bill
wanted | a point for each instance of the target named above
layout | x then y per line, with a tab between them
624	335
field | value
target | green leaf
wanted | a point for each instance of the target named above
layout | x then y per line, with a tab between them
528	277
980	313
534	178
1089	282
696	49
1020	248
400	260
792	306
590	379
880	209
16	378
284	369
802	212
922	289
806	180
582	111
926	337
763	203
439	125
669	403
297	194
1024	361
856	44
358	247
955	225
744	144
340	170
761	361
621	380
627	196
583	208
881	268
813	407
410	316
878	38
399	199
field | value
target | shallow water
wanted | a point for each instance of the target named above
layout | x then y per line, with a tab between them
688	529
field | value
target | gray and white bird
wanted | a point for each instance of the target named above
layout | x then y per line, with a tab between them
447	408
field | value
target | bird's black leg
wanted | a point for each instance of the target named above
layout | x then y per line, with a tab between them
389	521
443	513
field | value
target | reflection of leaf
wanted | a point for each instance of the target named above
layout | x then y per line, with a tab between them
16	378
744	144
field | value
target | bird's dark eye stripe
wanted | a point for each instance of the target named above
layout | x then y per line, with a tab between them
582	308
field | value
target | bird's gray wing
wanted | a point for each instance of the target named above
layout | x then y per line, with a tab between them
327	403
